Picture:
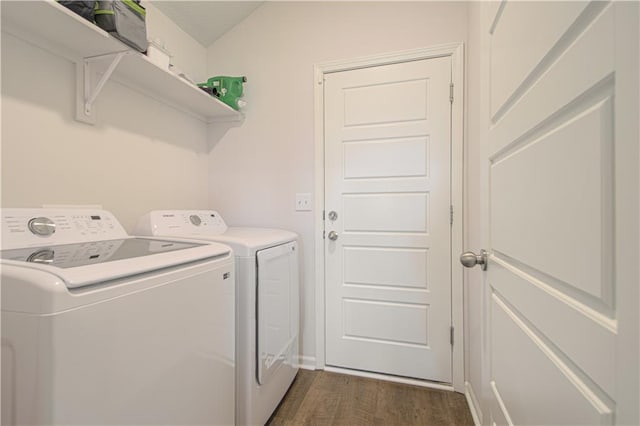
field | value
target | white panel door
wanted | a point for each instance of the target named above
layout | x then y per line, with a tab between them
387	177
552	318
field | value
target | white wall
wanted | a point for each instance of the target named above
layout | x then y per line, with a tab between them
140	155
256	169
187	54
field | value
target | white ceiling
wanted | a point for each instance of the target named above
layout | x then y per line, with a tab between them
206	21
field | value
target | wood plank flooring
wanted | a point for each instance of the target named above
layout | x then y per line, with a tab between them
322	398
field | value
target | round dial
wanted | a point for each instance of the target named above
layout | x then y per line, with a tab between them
42	226
195	219
42	256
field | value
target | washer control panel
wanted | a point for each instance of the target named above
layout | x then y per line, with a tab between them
181	223
44	227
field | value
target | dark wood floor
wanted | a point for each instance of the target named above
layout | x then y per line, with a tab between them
322	398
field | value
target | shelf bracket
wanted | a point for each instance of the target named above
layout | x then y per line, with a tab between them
87	92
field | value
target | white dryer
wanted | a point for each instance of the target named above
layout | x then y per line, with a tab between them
267	303
101	328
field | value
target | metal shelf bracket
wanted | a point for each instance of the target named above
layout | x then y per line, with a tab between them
87	93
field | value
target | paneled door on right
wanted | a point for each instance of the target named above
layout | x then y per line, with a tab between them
387	198
555	155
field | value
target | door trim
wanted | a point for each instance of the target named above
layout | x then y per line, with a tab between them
456	52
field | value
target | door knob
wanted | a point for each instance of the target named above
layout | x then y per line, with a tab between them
333	235
469	259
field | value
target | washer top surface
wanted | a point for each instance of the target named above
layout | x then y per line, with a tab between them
209	225
84	247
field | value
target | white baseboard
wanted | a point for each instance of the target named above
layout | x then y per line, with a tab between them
474	406
307	362
395	379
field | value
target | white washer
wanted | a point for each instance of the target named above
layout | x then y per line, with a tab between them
102	328
268	305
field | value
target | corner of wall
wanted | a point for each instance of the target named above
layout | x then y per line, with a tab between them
187	54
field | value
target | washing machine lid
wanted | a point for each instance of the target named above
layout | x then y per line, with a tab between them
246	242
86	263
209	225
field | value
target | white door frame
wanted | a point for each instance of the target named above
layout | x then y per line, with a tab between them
456	52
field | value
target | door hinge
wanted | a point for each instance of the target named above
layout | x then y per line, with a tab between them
451	92
324	234
450	215
451	335
322	214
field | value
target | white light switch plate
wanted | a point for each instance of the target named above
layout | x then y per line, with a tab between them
303	202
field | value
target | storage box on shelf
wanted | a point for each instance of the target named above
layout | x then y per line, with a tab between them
158	54
62	32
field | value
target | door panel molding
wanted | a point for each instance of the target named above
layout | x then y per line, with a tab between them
570	214
555	89
569	331
456	52
514	337
577	15
560	165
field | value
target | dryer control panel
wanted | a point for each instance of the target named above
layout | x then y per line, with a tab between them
30	227
181	223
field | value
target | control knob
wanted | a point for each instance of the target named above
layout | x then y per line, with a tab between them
42	226
195	219
42	256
